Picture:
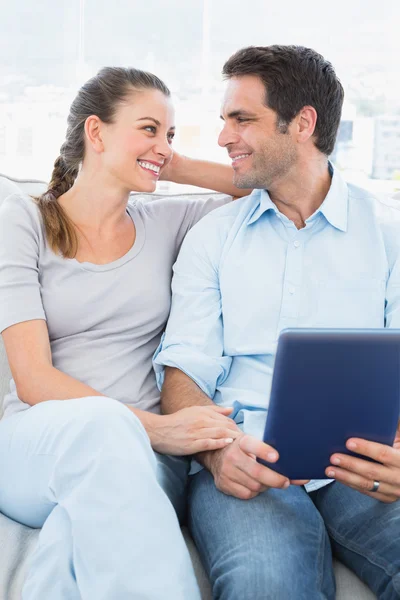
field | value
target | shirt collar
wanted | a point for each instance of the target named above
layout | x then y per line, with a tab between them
334	207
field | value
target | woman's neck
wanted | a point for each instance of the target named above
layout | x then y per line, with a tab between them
95	202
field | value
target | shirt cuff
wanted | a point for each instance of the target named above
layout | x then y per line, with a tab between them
207	372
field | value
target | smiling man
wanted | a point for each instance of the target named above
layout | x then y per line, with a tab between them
303	250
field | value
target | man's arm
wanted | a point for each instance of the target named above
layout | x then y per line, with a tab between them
193	340
236	472
179	391
192	353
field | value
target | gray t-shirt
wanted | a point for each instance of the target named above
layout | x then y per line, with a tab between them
104	321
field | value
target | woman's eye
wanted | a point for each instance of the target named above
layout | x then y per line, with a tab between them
151	128
170	137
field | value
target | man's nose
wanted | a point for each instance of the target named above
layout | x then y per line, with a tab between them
227	136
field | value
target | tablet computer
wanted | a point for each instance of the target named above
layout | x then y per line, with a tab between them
329	385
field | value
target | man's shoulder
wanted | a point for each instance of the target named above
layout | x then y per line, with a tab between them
224	217
383	207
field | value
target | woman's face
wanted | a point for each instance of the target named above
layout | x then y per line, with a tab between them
137	145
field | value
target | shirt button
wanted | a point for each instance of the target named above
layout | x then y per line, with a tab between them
296	243
291	290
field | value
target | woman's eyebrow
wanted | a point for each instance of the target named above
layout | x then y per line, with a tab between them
150	119
155	121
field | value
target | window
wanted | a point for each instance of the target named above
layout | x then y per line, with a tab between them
47	52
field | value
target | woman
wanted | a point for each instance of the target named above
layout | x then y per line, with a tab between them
84	297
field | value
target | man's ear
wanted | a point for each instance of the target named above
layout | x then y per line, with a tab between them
94	134
306	122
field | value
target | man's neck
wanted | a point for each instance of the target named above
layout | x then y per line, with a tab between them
303	191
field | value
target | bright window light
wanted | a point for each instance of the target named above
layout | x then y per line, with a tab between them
48	50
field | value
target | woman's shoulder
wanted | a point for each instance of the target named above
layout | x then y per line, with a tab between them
21	210
176	210
21	203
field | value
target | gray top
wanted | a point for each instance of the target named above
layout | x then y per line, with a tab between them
104	321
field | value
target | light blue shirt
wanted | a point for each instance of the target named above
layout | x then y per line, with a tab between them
245	272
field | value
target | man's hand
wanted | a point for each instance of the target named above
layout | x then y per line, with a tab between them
236	471
361	474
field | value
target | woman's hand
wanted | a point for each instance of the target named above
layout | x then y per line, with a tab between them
361	474
170	171
192	430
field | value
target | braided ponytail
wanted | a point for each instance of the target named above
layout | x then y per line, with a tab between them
60	231
99	96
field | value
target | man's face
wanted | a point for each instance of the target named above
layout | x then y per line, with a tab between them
262	153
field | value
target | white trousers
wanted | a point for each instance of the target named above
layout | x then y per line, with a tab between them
85	472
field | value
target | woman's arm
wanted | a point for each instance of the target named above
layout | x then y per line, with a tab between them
29	356
202	173
186	432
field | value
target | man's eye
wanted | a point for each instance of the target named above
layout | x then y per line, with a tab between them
151	128
241	119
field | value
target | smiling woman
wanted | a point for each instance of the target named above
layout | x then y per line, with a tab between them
85	286
108	129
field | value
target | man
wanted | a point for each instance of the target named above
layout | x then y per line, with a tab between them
303	250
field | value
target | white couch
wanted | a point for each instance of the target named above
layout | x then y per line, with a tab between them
17	542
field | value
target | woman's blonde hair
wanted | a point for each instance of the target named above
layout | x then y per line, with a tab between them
99	96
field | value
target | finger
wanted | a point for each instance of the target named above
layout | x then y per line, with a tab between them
361	483
204	445
238	491
381	452
241	478
217	433
219	416
260	473
252	445
382	497
224	410
299	481
368	470
225	424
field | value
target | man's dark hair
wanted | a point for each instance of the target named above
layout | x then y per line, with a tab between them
294	77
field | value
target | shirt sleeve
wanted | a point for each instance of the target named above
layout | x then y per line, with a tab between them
193	341
197	207
20	298
389	215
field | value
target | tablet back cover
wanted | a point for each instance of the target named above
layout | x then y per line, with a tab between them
328	386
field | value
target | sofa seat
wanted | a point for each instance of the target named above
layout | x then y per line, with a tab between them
17	543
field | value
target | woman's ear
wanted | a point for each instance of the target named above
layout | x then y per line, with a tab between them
93	132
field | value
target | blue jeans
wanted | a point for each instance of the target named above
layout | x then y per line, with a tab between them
277	546
84	471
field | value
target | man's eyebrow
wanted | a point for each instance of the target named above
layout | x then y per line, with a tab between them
238	113
156	122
